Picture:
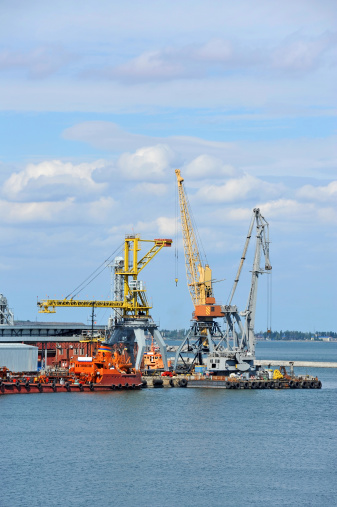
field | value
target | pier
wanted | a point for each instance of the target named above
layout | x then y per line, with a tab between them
219	382
302	364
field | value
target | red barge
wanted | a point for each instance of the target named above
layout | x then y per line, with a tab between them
108	370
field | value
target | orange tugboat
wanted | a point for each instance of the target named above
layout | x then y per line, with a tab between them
152	361
109	369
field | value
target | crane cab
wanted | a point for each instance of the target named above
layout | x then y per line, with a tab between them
209	310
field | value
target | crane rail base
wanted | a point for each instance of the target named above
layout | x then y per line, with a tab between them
22	388
213	383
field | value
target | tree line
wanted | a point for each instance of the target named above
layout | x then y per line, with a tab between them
179	334
296	335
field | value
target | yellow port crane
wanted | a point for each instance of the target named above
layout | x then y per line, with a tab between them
199	275
204	330
133	303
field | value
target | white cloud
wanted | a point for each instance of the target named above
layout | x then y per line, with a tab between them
160	227
169	63
146	163
239	189
61	213
291	213
206	166
166	226
290	210
39	63
110	136
287	209
28	212
225	72
303	54
314	157
51	178
296	53
321	193
151	65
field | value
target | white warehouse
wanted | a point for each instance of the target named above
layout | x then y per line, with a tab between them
18	357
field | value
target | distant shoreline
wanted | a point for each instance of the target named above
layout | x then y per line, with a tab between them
333	340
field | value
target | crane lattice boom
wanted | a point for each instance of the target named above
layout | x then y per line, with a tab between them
134	303
199	277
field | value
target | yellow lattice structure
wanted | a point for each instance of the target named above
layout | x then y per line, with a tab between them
134	303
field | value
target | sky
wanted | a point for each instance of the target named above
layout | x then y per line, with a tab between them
101	101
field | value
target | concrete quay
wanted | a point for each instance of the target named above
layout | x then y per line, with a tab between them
302	364
218	382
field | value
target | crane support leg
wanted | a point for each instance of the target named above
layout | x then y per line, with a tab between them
141	341
128	332
162	346
180	348
202	338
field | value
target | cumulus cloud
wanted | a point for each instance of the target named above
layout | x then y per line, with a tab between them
53	179
314	157
292	214
239	189
206	166
160	227
166	226
295	211
64	212
287	208
321	193
146	163
18	212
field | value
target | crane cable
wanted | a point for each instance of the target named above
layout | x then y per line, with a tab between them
200	246
91	277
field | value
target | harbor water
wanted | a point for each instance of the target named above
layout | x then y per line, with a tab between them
175	447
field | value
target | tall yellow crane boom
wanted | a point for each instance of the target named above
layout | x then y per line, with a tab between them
204	328
199	277
134	303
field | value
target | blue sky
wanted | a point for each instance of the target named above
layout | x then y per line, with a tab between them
100	103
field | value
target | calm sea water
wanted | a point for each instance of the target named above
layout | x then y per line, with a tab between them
175	447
